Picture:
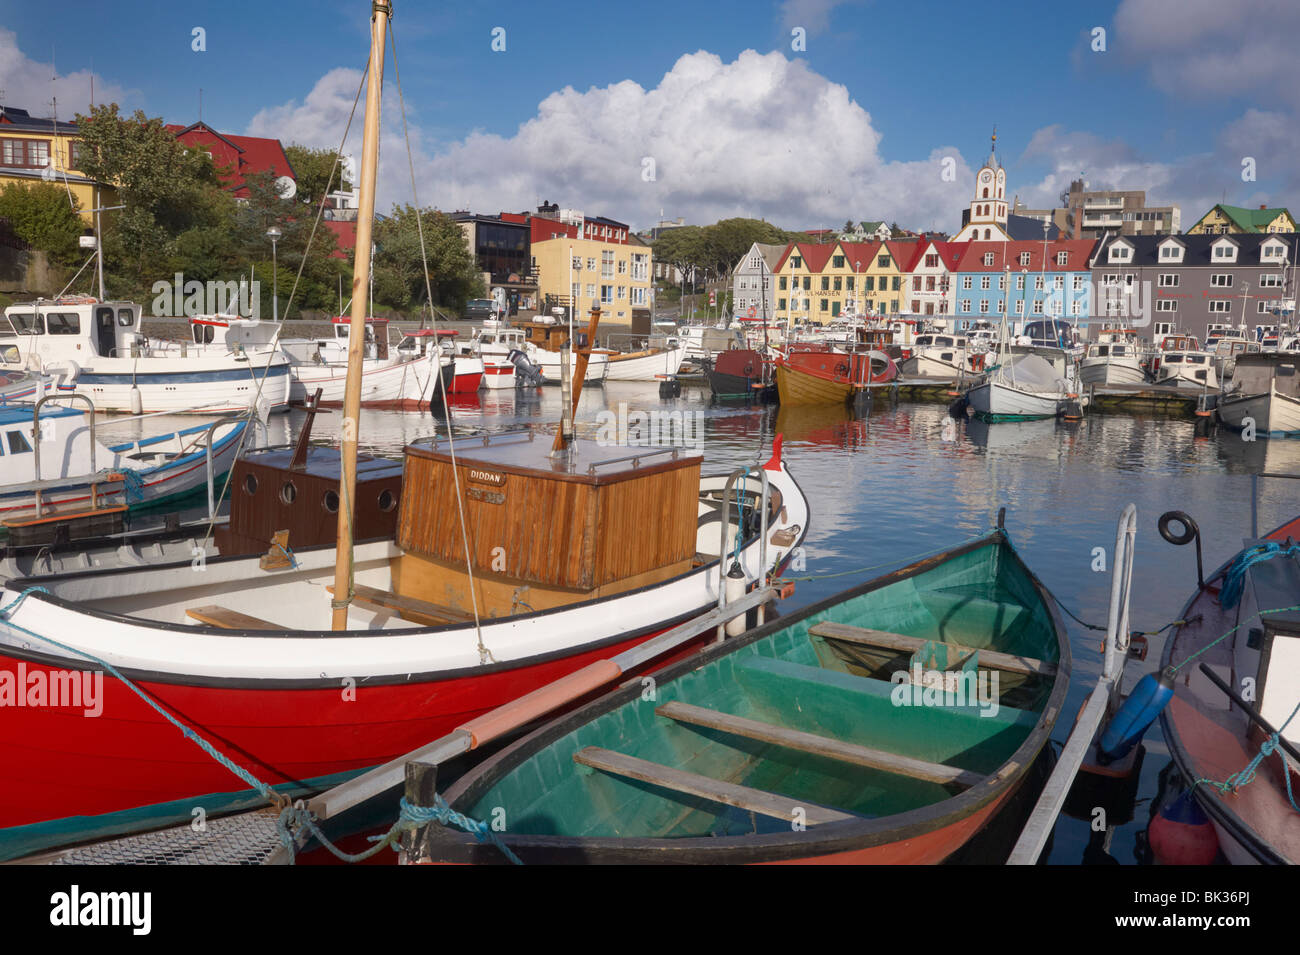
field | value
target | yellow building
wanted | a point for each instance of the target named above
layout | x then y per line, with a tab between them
607	266
36	150
1228	220
818	283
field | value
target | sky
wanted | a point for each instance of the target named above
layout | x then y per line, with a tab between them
802	112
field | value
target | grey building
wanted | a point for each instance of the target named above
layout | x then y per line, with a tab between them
752	284
1091	214
1187	283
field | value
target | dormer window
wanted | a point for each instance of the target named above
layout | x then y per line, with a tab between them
1171	252
1062	258
1225	252
1024	258
1272	251
988	258
1120	253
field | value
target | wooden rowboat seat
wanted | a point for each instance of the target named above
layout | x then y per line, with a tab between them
215	616
408	608
703	787
990	659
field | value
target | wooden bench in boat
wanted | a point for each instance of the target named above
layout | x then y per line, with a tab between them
817	745
215	616
990	659
704	787
409	608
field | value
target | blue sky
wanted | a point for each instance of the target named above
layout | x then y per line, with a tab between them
925	80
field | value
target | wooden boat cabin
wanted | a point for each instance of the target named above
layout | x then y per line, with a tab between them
547	335
543	531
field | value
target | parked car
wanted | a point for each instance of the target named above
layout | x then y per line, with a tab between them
477	309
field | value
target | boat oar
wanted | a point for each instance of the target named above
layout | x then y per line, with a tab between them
1250	711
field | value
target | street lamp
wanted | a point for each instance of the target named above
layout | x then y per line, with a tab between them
274	235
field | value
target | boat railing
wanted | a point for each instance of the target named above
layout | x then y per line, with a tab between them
1101	703
636	459
36	438
208	462
741	474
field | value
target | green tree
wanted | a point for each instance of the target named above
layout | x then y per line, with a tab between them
453	275
313	169
44	216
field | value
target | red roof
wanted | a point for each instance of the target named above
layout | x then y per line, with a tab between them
1008	254
237	157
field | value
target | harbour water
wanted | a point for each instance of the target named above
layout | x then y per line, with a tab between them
903	481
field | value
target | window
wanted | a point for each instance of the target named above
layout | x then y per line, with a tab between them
826	283
1076	307
780	304
1272	252
882	261
965	305
1262	305
929	283
1038	283
871	284
1020	283
848	283
591	265
18	443
838	261
1078	283
984	306
782	285
988	258
984	281
63	323
1219	306
622	292
622	266
606	294
898	282
916	283
577	263
27	323
807	282
1020	306
931	260
591	291
1171	253
1271	280
1024	258
966	281
576	291
1059	283
796	262
1120	253
1221	280
1038	307
825	304
837	284
1062	258
33	153
1225	252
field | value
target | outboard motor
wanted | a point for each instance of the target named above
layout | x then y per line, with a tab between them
526	373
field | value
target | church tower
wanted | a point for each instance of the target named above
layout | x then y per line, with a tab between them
988	208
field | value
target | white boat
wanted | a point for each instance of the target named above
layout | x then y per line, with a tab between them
400	378
1226	351
648	364
97	349
1114	359
495	341
1021	387
1265	395
1187	369
54	463
942	356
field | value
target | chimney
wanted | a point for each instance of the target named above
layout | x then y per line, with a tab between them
1262	206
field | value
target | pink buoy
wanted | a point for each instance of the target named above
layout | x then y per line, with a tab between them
1182	834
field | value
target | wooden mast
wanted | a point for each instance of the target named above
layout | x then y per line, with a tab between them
579	374
381	11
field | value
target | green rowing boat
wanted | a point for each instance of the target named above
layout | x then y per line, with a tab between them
886	724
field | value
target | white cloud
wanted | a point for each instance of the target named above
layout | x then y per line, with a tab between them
760	136
27	84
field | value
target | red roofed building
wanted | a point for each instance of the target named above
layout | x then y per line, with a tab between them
237	157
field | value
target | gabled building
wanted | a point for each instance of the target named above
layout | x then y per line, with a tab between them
33	150
1190	282
931	289
236	157
798	286
873	231
1025	280
753	282
1230	220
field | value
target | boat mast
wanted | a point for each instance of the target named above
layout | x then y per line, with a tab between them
381	11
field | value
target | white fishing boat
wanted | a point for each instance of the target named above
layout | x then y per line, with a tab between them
1226	351
942	356
1114	359
53	463
496	341
648	364
1021	387
97	349
1265	395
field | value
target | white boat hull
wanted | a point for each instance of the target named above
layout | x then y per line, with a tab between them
1102	371
994	399
647	367
1271	414
201	385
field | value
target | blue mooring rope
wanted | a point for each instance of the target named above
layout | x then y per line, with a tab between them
409	816
1235	577
1247	776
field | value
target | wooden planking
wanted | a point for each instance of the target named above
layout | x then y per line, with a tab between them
215	616
714	790
553	531
410	608
818	745
903	643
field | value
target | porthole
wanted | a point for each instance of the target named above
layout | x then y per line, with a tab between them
330	501
250	483
288	492
387	501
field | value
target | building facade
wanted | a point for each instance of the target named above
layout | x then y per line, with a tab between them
753	282
45	150
1024	280
1234	220
1193	281
237	157
587	261
1090	214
